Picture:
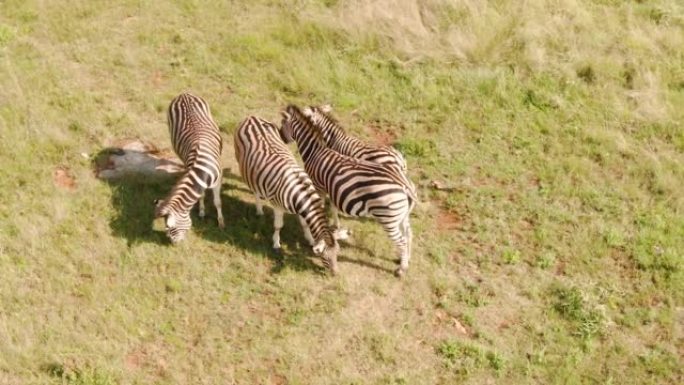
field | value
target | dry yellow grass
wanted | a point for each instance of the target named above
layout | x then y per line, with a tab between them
554	255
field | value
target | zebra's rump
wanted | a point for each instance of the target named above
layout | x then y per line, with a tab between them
357	186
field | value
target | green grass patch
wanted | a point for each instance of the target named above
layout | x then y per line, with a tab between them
572	306
465	358
552	252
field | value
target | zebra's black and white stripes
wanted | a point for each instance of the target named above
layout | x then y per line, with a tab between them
271	172
338	140
196	140
356	187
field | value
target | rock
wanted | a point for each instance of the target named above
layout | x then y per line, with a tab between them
437	185
137	158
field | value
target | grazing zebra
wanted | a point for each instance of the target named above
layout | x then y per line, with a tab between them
196	140
271	172
356	187
335	138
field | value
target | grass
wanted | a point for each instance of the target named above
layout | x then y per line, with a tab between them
554	254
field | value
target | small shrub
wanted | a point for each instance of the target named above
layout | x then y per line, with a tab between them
6	35
416	147
495	361
464	358
545	260
571	305
587	74
614	238
590	324
77	376
511	257
461	357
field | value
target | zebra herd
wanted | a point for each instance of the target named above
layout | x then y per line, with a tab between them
361	180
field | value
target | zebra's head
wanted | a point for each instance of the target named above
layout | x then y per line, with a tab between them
286	129
295	123
327	250
177	225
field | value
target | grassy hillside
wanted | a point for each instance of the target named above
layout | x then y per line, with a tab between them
555	254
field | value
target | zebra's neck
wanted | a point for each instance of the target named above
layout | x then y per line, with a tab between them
308	141
335	137
318	224
331	131
185	193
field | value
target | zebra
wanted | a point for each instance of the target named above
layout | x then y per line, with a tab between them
197	142
272	173
338	140
356	187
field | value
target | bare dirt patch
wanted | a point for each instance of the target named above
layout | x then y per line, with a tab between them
148	357
447	220
63	178
134	360
157	79
278	379
382	135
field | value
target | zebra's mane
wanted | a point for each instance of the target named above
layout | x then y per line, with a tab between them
327	116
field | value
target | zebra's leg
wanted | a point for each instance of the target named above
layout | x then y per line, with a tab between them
406	254
259	205
335	215
394	230
216	193
202	211
339	234
307	231
277	225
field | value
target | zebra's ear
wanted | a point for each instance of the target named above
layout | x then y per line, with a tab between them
159	209
325	108
308	111
285	115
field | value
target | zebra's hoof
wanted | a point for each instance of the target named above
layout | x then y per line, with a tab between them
221	224
278	250
399	272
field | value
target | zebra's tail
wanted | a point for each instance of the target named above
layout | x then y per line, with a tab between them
412	192
406	184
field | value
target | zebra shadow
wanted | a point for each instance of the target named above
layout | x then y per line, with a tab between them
133	193
248	231
293	234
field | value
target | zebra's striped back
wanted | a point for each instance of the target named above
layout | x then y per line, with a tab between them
337	139
333	171
196	140
356	187
271	172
